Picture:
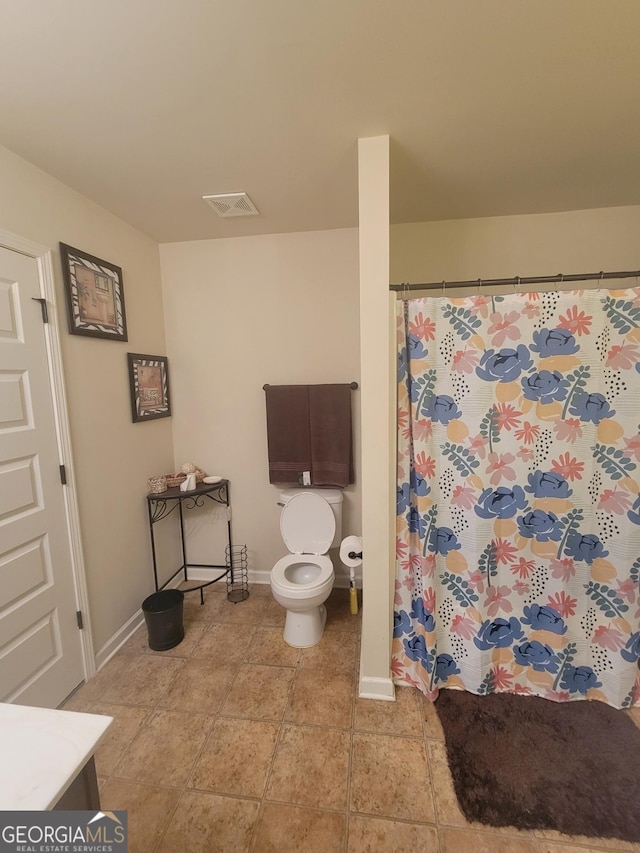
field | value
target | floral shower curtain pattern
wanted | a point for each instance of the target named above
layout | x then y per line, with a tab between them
518	514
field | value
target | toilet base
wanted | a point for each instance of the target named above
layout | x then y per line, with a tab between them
302	630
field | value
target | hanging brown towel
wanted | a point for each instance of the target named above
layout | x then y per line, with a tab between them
288	433
331	435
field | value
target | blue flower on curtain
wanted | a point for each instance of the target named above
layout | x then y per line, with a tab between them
440	408
541	525
498	633
416	522
403	498
548	484
631	651
538	655
634	513
420	613
545	386
443	540
401	623
418	484
591	407
541	617
585	547
415	347
416	649
579	679
554	342
505	365
402	364
502	502
445	667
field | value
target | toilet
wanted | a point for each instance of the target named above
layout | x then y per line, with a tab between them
310	524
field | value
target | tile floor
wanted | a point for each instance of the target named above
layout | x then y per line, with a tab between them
233	741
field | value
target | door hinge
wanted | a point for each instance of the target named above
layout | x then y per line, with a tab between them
43	308
79	619
63	475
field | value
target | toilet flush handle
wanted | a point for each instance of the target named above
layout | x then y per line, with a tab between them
280	503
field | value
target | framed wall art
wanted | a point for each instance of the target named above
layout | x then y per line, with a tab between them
149	384
95	296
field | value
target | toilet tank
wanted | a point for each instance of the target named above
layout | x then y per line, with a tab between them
332	496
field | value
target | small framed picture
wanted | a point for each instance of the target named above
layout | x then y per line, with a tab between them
95	296
149	384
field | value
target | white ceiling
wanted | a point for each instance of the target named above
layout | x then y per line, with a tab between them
493	107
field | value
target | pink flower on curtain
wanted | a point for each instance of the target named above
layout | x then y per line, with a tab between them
503	327
528	433
401	548
480	305
422	429
428	566
499	467
523	567
518	688
423	328
568	466
563	603
612	500
477	445
508	416
397	598
465	360
430	599
521	587
530	310
526	454
627	589
609	638
501	678
632	446
476	580
425	465
503	550
575	321
623	357
563	569
497	600
464	496
568	430
464	626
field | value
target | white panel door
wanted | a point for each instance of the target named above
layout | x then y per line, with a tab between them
40	648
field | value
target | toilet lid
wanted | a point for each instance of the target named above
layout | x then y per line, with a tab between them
307	524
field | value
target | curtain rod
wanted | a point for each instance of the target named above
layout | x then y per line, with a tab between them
518	281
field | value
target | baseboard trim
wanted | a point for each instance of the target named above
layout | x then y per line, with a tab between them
119	639
121	636
371	687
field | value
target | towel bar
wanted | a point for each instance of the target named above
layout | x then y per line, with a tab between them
353	385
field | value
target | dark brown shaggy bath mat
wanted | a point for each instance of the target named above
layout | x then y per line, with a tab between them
527	762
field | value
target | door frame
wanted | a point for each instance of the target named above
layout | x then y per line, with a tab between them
44	258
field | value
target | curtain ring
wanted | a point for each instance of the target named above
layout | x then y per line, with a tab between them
479	287
560	280
405	291
601	280
516	286
444	284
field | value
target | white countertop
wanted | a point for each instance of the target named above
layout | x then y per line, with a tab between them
42	752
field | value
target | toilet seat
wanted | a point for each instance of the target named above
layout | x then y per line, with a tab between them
307	524
324	575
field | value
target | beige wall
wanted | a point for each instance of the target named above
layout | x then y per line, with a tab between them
542	244
241	313
113	457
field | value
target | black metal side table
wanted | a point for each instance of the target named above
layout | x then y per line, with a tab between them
163	504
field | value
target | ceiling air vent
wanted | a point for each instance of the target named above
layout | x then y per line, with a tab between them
232	204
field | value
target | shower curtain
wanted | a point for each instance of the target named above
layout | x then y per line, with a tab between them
518	505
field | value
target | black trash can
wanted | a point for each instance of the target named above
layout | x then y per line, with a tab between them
163	615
